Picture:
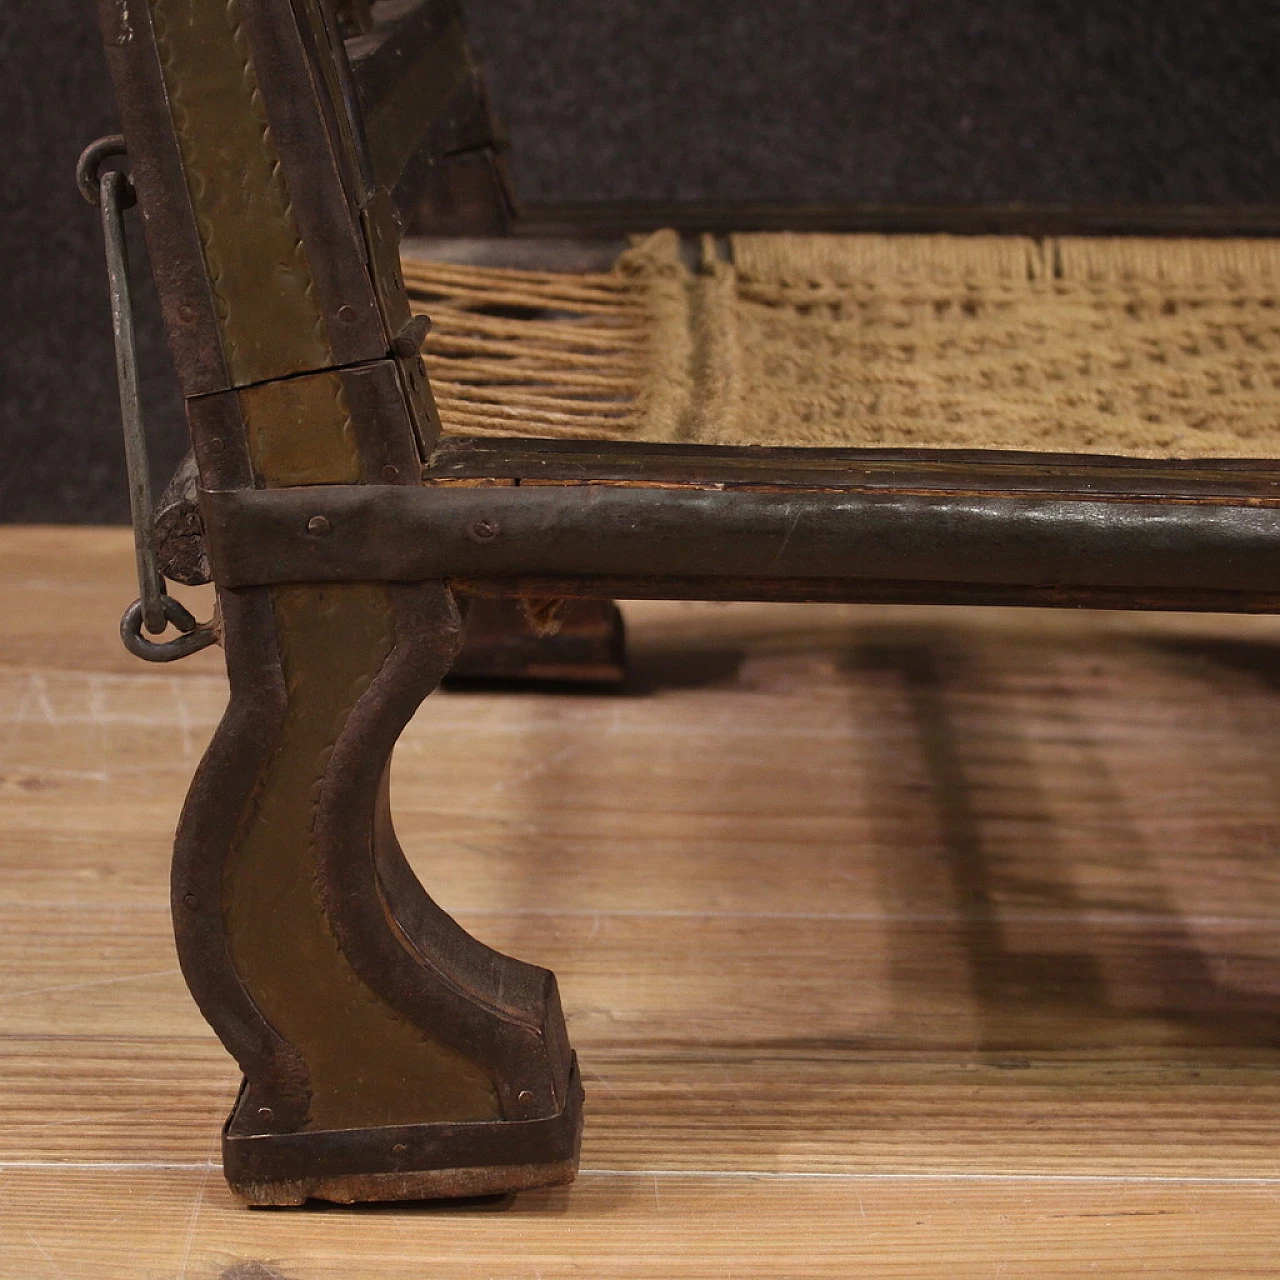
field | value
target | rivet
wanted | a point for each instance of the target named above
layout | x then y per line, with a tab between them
390	473
265	1113
399	1149
186	313
346	313
191	902
484	530
217	444
319	526
525	1096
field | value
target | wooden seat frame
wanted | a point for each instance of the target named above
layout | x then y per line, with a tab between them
386	1053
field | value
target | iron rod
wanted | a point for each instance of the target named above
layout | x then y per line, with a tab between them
113	186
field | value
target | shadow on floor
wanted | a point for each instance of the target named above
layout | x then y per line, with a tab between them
1050	981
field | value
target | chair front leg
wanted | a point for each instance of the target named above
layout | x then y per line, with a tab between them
387	1054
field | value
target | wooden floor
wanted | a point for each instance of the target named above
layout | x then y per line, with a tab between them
893	943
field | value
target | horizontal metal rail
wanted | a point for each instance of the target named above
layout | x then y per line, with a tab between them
683	535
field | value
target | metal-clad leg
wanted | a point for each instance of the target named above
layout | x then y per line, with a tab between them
387	1054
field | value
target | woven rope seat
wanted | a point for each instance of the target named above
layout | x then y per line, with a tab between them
1153	348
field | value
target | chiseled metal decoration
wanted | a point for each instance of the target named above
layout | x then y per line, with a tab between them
386	1053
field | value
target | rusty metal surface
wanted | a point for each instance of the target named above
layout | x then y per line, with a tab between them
191	638
378	222
177	532
673	533
402	1162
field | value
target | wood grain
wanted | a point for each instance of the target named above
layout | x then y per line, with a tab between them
904	942
651	1224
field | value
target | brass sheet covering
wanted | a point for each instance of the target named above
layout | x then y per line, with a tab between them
270	323
368	1065
300	431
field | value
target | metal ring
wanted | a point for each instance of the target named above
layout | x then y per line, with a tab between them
195	636
89	168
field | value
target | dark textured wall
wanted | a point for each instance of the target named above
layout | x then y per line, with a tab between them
932	100
58	408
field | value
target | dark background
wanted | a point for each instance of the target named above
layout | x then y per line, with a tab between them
888	100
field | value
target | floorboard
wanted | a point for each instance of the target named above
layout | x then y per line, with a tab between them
899	942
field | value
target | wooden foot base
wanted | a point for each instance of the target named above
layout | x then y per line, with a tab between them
401	1162
502	645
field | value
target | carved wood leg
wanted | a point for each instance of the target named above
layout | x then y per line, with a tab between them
386	1053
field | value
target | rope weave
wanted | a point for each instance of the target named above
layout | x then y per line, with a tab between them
1158	348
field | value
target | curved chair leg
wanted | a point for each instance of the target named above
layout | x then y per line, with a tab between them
387	1054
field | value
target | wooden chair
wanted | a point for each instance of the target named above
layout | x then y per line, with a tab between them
386	1053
